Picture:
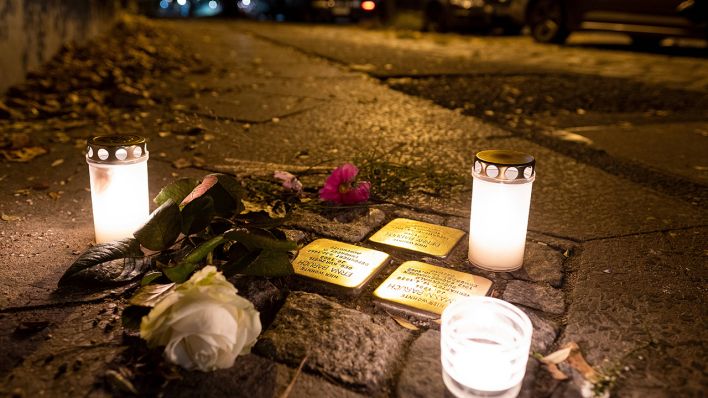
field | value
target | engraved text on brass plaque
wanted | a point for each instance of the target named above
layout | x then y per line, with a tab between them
430	288
418	236
338	263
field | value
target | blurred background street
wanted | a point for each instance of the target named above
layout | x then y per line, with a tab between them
612	105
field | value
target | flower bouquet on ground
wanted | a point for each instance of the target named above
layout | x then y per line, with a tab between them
198	237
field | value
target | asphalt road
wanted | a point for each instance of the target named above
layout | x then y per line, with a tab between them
637	115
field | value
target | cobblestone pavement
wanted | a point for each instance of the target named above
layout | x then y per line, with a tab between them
614	266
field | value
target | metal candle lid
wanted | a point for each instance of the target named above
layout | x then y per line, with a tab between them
505	166
116	149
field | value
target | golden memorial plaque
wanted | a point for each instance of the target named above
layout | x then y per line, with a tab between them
338	263
429	288
422	237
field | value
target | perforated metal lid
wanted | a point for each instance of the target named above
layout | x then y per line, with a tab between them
505	166
116	149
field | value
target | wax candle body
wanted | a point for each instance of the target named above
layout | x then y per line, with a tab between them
120	199
498	223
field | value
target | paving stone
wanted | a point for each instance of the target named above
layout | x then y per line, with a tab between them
422	373
545	331
414	215
295	235
265	296
458	222
350	231
253	376
342	344
639	301
539	296
541	264
527	384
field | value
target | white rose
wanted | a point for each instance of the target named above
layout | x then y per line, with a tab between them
203	323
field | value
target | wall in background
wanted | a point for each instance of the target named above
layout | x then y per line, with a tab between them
32	31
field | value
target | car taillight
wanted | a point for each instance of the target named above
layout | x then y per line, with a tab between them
368	5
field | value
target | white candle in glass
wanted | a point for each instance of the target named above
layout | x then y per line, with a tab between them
485	344
501	197
119	185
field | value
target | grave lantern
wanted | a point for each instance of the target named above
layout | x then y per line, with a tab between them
119	185
501	197
485	345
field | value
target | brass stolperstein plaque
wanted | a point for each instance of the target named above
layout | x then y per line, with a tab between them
430	288
338	263
422	237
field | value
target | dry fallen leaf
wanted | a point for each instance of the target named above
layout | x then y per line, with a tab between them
23	155
571	354
557	357
117	380
578	362
181	163
19	140
8	217
57	162
403	322
61	137
55	195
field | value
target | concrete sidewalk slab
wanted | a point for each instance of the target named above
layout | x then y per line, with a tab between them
638	310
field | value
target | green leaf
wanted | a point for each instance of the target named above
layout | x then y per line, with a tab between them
181	272
150	295
117	261
133	315
149	277
255	238
269	263
163	227
176	190
224	189
233	187
197	215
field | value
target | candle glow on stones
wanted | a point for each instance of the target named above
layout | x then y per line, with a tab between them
501	197
119	185
485	345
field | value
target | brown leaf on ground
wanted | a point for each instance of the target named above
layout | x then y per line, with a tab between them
571	354
403	322
8	217
57	162
61	137
55	195
578	362
24	154
181	163
19	140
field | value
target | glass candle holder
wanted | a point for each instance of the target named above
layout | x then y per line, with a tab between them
501	197
485	345
119	185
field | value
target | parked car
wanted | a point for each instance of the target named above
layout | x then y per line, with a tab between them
444	15
181	8
310	10
646	22
551	21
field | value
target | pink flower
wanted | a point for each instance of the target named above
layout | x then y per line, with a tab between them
339	187
289	181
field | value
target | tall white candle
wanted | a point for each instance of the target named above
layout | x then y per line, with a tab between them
501	197
119	185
